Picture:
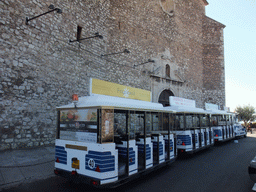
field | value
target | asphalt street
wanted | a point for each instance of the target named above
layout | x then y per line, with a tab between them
222	168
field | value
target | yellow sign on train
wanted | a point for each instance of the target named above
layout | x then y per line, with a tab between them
113	89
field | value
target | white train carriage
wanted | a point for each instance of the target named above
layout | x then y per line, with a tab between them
106	141
192	128
222	123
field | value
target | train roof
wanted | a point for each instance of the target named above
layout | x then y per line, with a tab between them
116	102
185	109
218	112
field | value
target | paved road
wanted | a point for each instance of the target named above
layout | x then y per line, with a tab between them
222	168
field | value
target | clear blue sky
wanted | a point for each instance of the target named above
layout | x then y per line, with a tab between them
239	16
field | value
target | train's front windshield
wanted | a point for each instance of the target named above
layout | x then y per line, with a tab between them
78	125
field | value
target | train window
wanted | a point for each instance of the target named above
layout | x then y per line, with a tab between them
120	123
132	125
148	122
171	122
78	125
166	123
161	121
107	130
179	122
228	118
182	121
140	122
221	120
189	121
214	120
155	122
136	124
205	121
176	123
196	122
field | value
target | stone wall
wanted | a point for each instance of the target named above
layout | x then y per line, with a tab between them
213	61
188	46
40	68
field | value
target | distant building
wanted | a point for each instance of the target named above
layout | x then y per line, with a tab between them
40	68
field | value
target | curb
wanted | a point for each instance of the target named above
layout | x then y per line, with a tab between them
18	167
30	165
7	186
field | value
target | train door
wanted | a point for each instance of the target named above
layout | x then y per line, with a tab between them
221	123
193	138
205	131
127	150
166	127
157	138
200	138
192	124
210	135
210	129
173	147
223	132
205	136
168	136
180	132
137	129
228	126
176	126
142	124
198	131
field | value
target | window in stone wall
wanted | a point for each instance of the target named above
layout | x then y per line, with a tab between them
79	33
167	6
167	70
119	25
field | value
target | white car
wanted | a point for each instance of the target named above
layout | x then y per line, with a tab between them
240	131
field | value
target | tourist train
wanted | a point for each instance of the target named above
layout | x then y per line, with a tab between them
107	141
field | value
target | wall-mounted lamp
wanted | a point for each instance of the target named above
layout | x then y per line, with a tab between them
50	7
95	36
149	61
125	51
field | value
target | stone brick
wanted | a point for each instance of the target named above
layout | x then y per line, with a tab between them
8	140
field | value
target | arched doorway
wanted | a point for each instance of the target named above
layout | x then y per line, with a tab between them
164	97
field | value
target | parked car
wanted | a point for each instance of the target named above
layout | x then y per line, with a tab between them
252	169
240	131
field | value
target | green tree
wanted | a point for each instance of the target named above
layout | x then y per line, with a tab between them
246	114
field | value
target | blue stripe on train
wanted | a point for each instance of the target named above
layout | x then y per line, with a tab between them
184	138
141	150
202	136
161	147
193	135
122	153
217	132
61	154
104	160
171	144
